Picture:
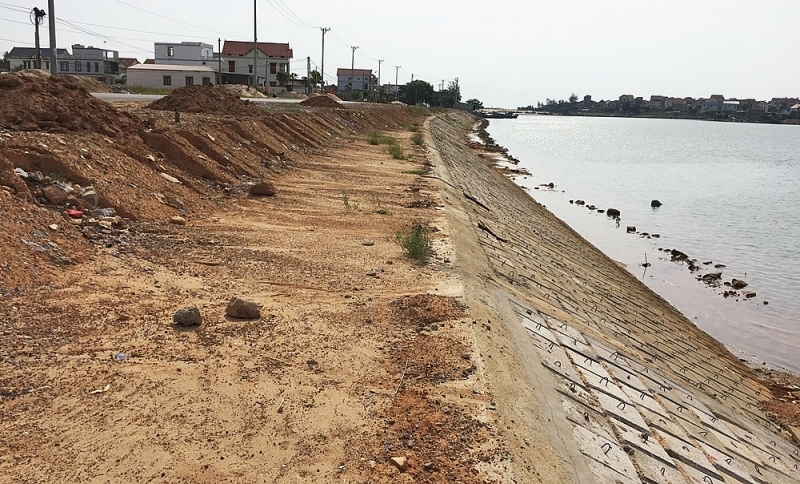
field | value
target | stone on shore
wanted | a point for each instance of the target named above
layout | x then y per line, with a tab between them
655	203
91	198
189	316
263	189
613	212
738	284
749	294
54	194
241	307
631	229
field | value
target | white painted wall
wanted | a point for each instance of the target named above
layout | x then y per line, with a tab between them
144	77
185	54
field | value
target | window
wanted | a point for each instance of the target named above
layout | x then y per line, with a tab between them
88	67
250	68
206	81
63	66
273	84
97	67
273	68
167	80
78	66
170	51
231	66
189	81
26	64
47	65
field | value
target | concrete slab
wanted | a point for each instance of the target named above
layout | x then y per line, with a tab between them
656	472
727	464
615	465
686	453
621	411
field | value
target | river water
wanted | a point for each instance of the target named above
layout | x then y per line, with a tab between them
730	194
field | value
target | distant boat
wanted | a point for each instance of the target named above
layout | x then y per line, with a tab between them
498	114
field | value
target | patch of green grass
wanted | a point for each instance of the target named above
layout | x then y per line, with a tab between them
382	211
416	243
418	139
396	151
415	172
414	127
350	207
149	90
375	138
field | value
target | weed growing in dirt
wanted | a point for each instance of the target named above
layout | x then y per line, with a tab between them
414	127
396	151
417	139
416	172
376	199
375	138
350	207
416	243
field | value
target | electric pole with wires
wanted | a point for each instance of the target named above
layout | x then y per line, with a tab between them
324	30
36	18
352	70
396	85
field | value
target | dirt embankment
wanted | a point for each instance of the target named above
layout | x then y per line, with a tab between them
154	216
206	99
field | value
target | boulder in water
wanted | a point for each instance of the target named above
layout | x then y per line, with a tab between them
655	203
613	212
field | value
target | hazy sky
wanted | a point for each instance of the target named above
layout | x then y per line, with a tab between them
506	53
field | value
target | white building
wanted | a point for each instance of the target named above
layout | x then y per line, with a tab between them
185	54
271	59
730	106
170	76
90	61
355	79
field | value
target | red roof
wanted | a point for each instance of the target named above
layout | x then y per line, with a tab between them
128	61
149	61
346	71
269	49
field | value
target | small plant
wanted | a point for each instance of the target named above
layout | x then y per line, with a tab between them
375	138
350	207
414	127
417	139
416	243
396	151
381	211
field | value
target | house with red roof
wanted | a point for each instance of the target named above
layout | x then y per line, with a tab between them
270	59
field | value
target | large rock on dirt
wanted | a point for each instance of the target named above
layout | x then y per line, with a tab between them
263	189
400	462
241	307
738	284
613	212
91	198
177	220
189	316
54	194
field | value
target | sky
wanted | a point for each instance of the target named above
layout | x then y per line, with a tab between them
504	53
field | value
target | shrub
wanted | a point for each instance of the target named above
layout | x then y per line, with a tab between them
375	138
417	139
414	127
396	151
416	243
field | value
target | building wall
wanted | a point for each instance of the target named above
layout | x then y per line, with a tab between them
266	73
185	54
155	78
360	83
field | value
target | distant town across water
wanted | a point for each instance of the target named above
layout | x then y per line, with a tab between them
716	107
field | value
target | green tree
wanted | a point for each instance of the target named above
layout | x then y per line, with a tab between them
416	92
573	99
316	77
476	105
282	78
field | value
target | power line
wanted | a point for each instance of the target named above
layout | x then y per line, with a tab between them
173	19
16	41
289	15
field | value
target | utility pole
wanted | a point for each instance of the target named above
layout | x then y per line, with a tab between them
38	15
352	70
396	85
322	74
53	50
380	61
255	44
308	75
412	77
219	61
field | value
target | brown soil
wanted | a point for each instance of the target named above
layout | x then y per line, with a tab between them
784	408
205	99
240	90
58	105
343	371
321	102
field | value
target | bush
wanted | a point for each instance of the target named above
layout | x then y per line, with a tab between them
396	151
375	138
417	139
416	243
414	127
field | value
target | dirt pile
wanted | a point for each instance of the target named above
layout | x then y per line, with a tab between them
240	90
321	102
91	84
206	99
31	102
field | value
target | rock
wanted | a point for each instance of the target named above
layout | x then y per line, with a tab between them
177	220
169	178
631	229
678	255
21	173
53	227
243	308
748	294
655	203
738	284
580	202
368	243
572	201
719	266
54	194
91	198
104	212
189	316
400	462
150	158
263	189
613	212
711	277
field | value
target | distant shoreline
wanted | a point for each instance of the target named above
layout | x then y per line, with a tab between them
682	116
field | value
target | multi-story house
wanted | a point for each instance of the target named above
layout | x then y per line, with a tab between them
185	54
271	59
25	58
89	61
355	79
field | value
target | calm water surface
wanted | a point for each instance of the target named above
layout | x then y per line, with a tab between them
730	194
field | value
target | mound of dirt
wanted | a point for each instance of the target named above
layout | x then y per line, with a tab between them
321	102
205	99
38	102
91	84
240	90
